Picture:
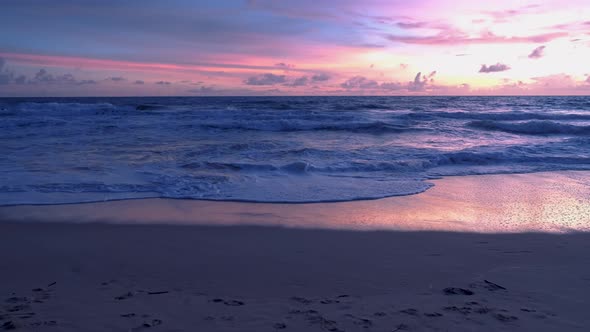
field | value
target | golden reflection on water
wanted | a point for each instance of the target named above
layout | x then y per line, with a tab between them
540	202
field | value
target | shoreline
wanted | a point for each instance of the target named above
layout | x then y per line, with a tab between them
246	201
528	202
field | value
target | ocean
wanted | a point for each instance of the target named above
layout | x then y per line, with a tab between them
277	149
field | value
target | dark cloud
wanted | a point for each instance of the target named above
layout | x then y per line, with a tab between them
117	79
494	68
22	79
163	83
266	79
537	53
300	81
320	77
359	82
5	77
203	90
139	82
43	76
420	83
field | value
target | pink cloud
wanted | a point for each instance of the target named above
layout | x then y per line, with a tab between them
457	38
504	15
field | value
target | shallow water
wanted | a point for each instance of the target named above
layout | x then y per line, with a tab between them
553	202
277	149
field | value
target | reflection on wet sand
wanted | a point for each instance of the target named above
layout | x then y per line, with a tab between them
547	202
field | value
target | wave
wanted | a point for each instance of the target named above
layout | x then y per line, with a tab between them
57	108
411	165
497	116
376	127
532	127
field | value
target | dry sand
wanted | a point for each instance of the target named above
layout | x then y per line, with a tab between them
64	277
104	277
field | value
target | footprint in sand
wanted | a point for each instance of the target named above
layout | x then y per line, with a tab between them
433	314
409	311
147	325
232	303
457	291
124	296
301	300
505	318
280	326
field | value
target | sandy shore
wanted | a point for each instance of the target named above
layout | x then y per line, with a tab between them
64	277
136	273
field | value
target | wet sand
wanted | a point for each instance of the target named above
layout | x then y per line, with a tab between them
537	202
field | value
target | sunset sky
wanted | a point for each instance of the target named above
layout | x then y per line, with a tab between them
303	47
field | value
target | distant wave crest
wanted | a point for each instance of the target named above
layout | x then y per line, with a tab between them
532	127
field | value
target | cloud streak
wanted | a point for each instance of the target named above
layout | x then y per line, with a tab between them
456	38
498	67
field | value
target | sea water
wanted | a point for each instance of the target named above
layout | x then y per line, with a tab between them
277	149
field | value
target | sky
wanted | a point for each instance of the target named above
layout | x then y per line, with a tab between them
303	47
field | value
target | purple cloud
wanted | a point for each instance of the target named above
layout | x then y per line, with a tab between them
163	83
285	66
420	81
493	68
300	81
5	77
503	15
537	53
266	79
22	79
203	90
139	82
320	77
116	79
359	82
411	25
391	86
